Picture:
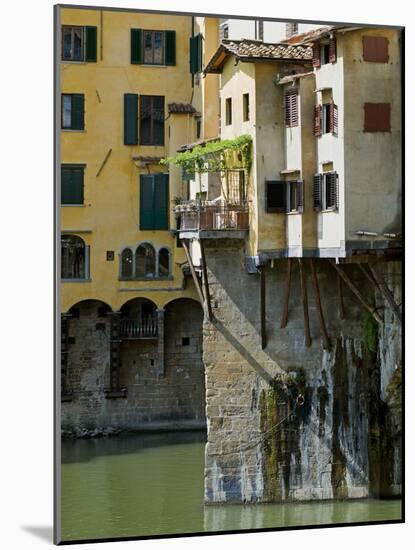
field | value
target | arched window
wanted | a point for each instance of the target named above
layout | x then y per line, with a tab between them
164	262
145	261
127	263
73	257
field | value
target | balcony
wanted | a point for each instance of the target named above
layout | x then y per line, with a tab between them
212	219
138	329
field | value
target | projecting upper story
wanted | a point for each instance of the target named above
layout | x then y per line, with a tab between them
358	138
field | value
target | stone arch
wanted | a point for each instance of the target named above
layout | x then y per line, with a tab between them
183	354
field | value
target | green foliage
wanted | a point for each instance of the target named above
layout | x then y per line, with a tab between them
370	334
215	156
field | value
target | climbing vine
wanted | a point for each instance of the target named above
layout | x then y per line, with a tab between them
215	156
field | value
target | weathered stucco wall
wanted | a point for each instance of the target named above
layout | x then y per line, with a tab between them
372	159
174	399
343	442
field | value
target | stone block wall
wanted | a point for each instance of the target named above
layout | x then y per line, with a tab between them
264	444
172	397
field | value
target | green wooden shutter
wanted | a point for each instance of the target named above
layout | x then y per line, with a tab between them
146	202
130	119
136	46
72	185
195	46
161	201
170	48
91	44
77	112
199	52
192	61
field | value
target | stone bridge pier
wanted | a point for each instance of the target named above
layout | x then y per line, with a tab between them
295	417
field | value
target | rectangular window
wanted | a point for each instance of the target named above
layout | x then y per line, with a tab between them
151	120
154	201
291	108
198	127
228	111
72	111
326	119
245	103
276	196
375	49
291	29
325	53
295	196
72	184
377	117
326	191
79	43
150	47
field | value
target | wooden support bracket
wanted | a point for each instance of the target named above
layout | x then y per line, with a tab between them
284	319
193	272
303	282
323	329
386	293
357	293
205	281
263	308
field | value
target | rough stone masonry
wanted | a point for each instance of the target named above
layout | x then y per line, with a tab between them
292	422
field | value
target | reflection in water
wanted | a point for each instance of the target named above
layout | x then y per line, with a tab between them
151	484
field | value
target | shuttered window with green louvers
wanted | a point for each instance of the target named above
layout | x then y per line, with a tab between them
154	202
91	44
153	47
195	47
130	119
72	184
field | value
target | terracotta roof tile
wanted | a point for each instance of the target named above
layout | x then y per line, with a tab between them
181	108
252	50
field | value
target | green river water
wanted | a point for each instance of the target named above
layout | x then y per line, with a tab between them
152	484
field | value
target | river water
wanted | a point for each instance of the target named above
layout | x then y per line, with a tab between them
152	484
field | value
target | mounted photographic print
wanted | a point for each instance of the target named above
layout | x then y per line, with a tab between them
229	274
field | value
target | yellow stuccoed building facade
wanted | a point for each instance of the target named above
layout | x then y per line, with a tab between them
130	92
108	221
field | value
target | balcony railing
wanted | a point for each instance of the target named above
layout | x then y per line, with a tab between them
199	216
134	329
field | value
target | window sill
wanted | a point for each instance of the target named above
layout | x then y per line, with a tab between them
72	131
76	280
151	65
127	279
78	205
75	62
293	212
330	210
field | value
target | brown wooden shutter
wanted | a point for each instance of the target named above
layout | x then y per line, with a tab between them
375	49
317	120
300	196
377	117
317	188
316	54
291	107
333	118
332	50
